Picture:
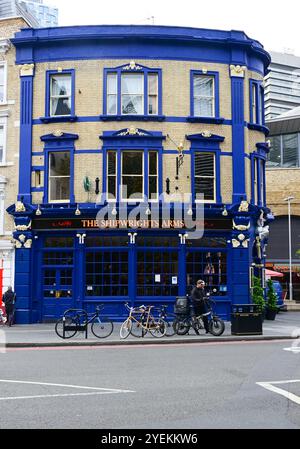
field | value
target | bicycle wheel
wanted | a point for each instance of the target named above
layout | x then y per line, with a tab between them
182	327
59	329
137	329
158	328
102	327
170	327
216	327
125	329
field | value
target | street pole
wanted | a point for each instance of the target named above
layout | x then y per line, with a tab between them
289	199
290	251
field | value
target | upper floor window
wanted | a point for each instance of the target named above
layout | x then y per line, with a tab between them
2	140
205	176
60	94
132	175
258	180
257	103
132	92
204	95
2	82
59	176
284	151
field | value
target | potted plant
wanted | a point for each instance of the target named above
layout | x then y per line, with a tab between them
258	295
271	309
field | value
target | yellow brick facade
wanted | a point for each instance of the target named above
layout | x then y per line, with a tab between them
175	103
282	183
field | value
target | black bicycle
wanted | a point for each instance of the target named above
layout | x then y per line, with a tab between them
74	320
216	325
170	320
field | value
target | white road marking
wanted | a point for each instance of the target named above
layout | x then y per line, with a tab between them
98	390
295	349
270	386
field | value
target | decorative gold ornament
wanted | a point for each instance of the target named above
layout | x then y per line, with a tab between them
245	243
206	134
18	244
244	206
27	70
132	66
235	243
241	237
22	238
58	133
28	244
242	228
237	71
19	207
23	227
132	132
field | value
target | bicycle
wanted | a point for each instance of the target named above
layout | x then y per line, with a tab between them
216	325
170	320
75	320
140	321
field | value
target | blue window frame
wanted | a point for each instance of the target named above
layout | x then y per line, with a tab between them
206	167
60	96
140	169
59	149
257	115
132	91
258	180
204	97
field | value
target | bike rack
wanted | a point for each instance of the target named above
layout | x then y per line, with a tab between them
75	327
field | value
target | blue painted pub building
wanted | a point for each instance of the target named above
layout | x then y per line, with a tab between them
166	112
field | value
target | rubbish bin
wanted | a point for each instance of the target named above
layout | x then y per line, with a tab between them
246	319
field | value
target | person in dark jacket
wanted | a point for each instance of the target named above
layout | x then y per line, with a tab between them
198	299
9	299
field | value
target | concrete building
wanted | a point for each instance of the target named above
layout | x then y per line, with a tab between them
9	143
175	115
282	84
12	9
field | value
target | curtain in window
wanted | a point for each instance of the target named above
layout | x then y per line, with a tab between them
132	86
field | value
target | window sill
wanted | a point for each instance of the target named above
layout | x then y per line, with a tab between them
59	119
261	128
212	120
6	164
132	118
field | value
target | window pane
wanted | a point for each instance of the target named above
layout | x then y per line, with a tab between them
206	187
61	106
1	136
134	186
274	157
290	150
111	164
204	164
59	189
1	94
111	186
61	85
132	83
204	107
1	154
132	163
152	105
111	104
132	104
152	84
59	164
153	190
254	118
1	75
203	86
152	163
112	83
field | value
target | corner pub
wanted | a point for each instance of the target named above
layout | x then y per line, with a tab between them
116	122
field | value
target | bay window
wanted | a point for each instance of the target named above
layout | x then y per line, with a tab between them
131	174
258	181
256	103
132	92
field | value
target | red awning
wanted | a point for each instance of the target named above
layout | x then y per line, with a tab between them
274	274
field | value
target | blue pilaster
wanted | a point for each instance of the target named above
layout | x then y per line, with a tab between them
23	286
238	136
26	106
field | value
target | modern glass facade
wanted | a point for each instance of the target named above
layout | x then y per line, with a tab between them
284	151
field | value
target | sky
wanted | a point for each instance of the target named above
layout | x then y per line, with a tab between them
276	24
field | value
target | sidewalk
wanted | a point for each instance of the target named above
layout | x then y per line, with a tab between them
36	335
